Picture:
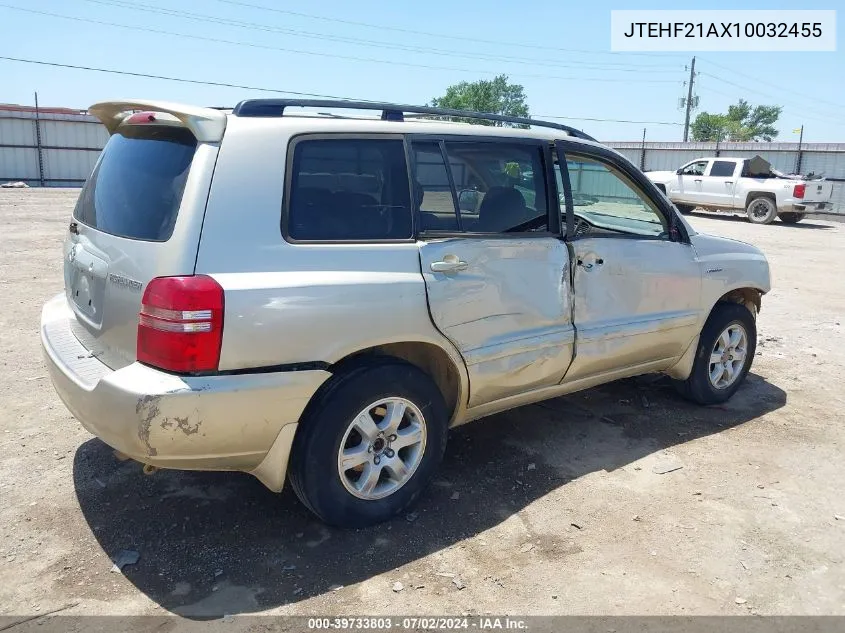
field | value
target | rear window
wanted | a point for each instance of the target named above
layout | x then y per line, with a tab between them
136	188
349	190
722	168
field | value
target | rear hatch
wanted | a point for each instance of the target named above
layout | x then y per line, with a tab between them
139	216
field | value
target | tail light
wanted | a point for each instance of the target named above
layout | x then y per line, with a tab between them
798	191
141	117
180	326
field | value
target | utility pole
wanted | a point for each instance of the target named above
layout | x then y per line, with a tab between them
642	153
798	159
689	99
38	143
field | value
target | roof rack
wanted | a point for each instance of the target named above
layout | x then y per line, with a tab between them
389	112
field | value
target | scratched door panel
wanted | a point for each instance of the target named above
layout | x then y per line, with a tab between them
640	305
507	310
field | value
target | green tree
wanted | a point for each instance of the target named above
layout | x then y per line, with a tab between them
709	127
741	123
496	96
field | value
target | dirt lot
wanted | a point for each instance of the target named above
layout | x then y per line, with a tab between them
549	509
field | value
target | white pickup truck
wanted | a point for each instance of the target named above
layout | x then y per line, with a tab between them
742	184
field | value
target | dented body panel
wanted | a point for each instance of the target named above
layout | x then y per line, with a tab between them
300	302
728	265
201	423
636	302
509	312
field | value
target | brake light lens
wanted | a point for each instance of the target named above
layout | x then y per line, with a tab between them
798	191
180	326
141	117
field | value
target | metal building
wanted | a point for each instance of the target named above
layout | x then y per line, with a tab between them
50	147
57	147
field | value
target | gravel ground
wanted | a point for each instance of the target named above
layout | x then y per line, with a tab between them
553	508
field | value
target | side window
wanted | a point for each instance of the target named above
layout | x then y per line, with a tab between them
349	190
722	168
695	169
499	187
432	191
609	203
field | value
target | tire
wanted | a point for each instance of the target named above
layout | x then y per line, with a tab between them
700	386
761	210
332	421
791	218
685	208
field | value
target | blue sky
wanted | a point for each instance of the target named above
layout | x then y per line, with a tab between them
559	51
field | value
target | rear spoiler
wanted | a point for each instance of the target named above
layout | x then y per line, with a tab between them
206	124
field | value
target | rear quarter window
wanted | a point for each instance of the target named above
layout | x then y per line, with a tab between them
348	190
136	188
722	168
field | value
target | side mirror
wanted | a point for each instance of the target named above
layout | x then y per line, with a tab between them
674	229
674	233
679	171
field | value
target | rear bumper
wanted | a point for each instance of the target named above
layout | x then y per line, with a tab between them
195	423
812	207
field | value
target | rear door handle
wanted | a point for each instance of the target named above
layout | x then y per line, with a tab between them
449	264
729	182
698	180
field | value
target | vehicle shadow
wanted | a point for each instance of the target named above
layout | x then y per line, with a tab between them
806	223
220	543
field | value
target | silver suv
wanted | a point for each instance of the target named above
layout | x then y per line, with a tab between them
321	296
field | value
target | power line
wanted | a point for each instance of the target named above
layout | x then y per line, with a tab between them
769	96
718	92
795	113
265	89
209	19
801	114
177	79
300	52
736	85
461	38
575	118
780	88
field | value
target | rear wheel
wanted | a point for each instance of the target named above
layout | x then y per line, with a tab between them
761	210
791	218
369	444
725	352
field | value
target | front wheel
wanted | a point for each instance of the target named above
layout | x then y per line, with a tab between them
791	218
685	208
369	444
725	352
761	210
